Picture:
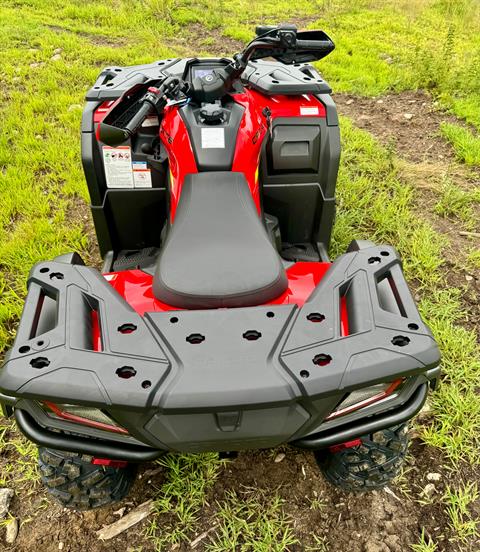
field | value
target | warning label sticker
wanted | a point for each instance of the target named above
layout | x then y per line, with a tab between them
213	138
142	176
150	122
308	110
118	166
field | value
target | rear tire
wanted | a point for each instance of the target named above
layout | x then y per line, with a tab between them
368	466
78	484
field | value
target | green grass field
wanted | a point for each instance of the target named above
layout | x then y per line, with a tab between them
51	52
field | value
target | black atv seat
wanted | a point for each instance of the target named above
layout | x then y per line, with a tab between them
217	253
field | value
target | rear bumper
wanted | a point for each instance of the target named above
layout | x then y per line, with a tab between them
226	392
71	443
131	453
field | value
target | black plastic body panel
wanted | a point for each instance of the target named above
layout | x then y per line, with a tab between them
298	171
275	78
227	392
213	159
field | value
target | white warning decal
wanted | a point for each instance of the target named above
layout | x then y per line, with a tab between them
142	176
308	110
213	138
150	122
118	166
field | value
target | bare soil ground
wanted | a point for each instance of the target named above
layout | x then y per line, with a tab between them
409	121
386	521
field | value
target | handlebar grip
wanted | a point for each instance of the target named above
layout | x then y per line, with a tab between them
316	45
136	121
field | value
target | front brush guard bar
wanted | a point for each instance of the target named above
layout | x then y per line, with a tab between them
92	447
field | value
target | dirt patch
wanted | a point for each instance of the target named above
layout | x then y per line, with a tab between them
97	40
78	212
45	524
380	521
409	121
199	40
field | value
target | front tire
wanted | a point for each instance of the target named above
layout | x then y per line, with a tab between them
368	466
78	484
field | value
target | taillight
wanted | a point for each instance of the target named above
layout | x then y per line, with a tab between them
84	415
365	397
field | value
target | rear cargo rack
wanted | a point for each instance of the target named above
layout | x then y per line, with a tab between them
263	375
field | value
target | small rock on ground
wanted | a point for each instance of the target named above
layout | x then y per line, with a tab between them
434	476
429	490
6	496
12	531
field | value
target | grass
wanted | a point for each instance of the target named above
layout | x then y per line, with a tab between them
428	44
458	501
181	497
251	521
320	545
456	203
464	142
433	45
18	459
473	259
424	545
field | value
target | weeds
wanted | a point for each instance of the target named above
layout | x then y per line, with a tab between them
181	497
457	203
424	545
458	501
465	144
320	544
251	521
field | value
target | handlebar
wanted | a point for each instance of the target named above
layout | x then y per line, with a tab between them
154	101
284	43
137	120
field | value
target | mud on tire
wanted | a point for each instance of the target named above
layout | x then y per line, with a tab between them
370	465
80	485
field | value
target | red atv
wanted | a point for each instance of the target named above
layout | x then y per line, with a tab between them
218	322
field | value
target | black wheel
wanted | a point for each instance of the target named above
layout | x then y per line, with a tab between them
80	485
368	466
